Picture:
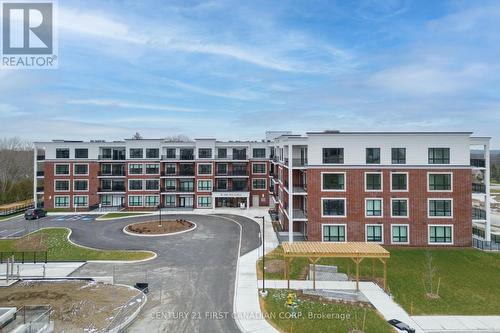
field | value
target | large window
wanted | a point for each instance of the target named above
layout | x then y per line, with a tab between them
62	152
81	185
333	207
399	207
439	155
333	155
204	169
204	152
333	181
373	155
61	169
186	185
373	208
171	153
135	200
170	201
399	233
152	184
440	208
170	184
151	200
221	184
259	168
205	185
399	181
136	152
135	184
61	185
152	153
334	233
374	233
222	168
81	169
135	169
373	181
81	153
398	155
221	152
204	202
61	201
440	182
259	153
80	201
152	169
440	234
259	184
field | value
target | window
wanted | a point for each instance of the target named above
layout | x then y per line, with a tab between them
135	169
440	181
221	168
221	153
135	200
222	184
61	201
333	182
81	169
334	233
259	168
373	181
259	184
81	153
152	169
373	155
333	155
186	154
239	154
186	185
170	169
333	207
373	208
399	234
399	181
259	153
440	234
439	155
152	153
398	155
106	200
62	169
152	184
170	184
170	201
205	185
80	185
171	153
204	152
399	207
135	184
62	152
136	152
440	208
61	185
80	201
374	233
204	202
204	169
151	200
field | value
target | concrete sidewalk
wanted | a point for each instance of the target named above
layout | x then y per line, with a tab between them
455	324
40	270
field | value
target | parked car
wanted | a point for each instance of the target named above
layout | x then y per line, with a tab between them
32	214
401	326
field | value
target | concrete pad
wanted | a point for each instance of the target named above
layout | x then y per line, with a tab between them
52	269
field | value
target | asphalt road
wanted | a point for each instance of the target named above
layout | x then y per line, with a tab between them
191	281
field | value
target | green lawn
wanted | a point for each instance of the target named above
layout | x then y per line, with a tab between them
54	241
337	318
469	279
109	216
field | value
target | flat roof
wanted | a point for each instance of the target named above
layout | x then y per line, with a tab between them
388	132
339	250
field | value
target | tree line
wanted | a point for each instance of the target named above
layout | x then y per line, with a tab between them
16	170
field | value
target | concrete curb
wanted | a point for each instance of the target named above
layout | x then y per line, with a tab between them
157	235
133	316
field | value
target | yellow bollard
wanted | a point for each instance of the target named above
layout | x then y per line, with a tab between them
289	299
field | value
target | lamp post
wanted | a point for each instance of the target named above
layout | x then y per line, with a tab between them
263	292
159	215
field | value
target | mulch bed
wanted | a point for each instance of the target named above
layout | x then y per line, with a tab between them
154	228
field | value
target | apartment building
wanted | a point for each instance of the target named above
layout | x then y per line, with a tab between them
393	188
396	188
144	174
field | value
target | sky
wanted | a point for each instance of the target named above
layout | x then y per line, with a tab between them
234	69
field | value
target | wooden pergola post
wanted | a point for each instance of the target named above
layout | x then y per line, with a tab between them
313	261
384	261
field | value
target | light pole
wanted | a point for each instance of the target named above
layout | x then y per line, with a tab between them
263	292
159	215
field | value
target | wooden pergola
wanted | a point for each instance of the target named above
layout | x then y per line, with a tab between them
356	251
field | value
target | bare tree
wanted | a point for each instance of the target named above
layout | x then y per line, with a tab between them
178	138
16	164
137	136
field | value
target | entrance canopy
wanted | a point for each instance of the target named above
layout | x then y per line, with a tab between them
357	251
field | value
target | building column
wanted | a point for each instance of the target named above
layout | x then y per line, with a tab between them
290	194
35	164
487	199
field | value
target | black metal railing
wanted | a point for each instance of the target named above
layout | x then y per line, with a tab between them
111	174
478	188
24	256
478	162
40	157
111	189
232	189
233	173
39	189
485	245
119	157
299	162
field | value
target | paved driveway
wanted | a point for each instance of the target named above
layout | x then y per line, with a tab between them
192	279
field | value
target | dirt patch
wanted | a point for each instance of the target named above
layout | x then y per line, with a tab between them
76	305
154	228
275	266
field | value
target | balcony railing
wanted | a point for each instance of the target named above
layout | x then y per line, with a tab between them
120	157
231	157
39	188
478	214
299	162
40	157
175	189
39	173
478	188
478	162
178	157
111	189
111	174
178	173
232	189
233	173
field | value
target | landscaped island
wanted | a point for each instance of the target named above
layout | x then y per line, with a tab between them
156	228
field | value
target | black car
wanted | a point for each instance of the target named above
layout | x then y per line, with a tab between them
32	214
401	326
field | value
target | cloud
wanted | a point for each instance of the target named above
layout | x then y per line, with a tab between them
7	111
131	105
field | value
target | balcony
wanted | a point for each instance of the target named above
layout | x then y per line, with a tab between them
478	188
111	174
111	189
232	189
234	173
478	214
299	162
299	214
300	189
180	189
238	157
478	162
180	173
117	157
